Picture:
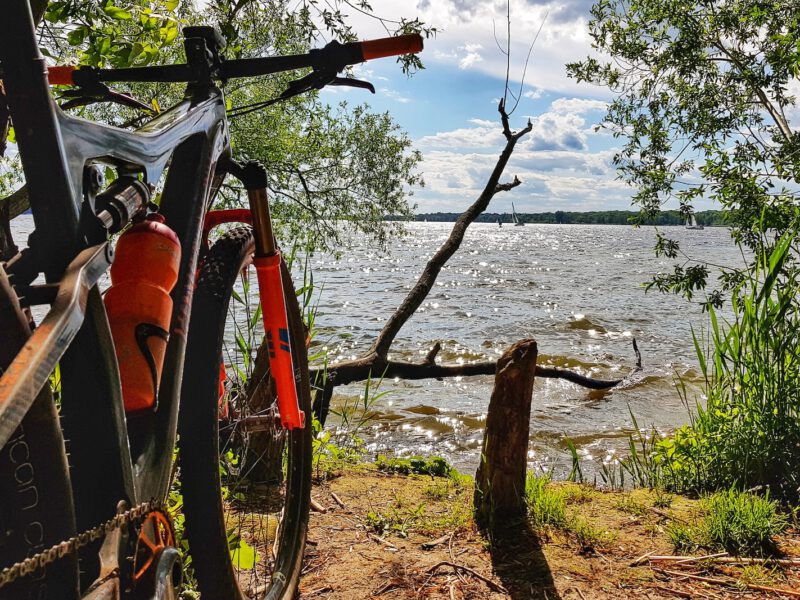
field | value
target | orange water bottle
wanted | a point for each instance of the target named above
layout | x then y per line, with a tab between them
139	307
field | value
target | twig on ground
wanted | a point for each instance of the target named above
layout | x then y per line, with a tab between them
446	563
382	541
672	591
433	543
642	559
688	560
317	507
338	500
724	559
667	515
729	582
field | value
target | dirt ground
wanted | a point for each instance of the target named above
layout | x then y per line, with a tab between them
374	541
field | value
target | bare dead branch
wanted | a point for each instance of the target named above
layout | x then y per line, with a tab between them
431	356
504	187
363	368
426	281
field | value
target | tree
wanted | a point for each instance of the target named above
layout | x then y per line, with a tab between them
704	105
333	170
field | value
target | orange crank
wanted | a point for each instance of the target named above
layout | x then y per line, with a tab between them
156	533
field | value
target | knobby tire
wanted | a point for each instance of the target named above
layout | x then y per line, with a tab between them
211	520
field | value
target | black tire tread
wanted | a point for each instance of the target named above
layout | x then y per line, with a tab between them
199	450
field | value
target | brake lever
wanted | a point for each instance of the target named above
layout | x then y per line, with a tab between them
99	92
350	82
316	80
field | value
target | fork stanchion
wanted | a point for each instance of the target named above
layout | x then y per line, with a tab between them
267	262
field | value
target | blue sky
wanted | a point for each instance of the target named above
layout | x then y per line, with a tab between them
450	108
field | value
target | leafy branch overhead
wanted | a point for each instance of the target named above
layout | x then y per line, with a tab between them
334	170
705	97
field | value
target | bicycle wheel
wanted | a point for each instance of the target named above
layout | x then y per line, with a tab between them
242	545
36	509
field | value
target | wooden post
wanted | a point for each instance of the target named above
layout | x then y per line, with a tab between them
500	480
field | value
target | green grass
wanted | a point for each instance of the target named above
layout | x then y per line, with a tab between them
435	466
547	506
740	523
547	509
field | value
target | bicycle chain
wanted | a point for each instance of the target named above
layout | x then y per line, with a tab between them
75	543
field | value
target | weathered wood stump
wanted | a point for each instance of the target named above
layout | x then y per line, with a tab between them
500	480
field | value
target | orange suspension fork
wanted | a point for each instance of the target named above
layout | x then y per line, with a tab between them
267	262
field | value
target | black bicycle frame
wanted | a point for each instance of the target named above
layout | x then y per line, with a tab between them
113	457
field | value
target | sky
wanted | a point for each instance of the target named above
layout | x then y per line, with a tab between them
449	109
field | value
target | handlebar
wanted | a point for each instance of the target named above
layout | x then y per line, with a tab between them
333	57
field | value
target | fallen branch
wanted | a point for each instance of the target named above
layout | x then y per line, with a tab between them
365	367
678	593
730	582
724	559
641	559
446	563
667	515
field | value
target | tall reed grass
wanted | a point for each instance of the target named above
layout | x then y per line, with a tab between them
748	434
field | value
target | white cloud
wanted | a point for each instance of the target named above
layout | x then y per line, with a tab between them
466	36
533	93
471	56
394	95
577	105
557	170
483	134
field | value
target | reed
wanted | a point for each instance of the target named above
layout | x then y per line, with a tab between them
748	434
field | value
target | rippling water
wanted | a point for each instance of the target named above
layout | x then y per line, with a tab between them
576	289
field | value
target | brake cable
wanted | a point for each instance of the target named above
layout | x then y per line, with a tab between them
316	80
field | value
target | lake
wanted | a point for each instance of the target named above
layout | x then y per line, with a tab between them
576	289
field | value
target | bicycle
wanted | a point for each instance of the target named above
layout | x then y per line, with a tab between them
93	524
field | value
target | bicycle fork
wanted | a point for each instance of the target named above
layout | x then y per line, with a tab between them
267	261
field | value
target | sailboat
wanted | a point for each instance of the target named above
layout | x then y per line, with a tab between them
514	217
692	224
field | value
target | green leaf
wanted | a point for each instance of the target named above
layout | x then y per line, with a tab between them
117	13
77	35
244	556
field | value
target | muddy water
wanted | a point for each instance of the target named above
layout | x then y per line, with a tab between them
576	289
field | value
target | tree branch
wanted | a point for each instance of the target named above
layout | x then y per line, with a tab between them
363	368
504	187
426	281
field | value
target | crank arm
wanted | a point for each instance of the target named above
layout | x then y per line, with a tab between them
31	368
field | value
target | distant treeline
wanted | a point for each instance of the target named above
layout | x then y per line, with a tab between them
708	218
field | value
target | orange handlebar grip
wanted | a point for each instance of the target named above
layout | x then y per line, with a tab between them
392	46
60	75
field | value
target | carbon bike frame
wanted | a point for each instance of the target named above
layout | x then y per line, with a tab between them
111	459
